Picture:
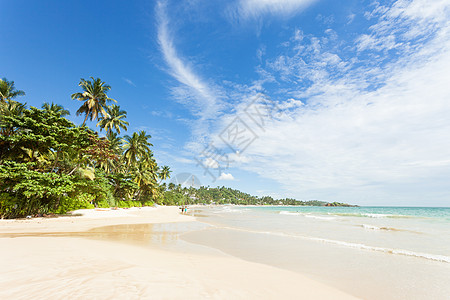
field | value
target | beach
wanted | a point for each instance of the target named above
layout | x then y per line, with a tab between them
99	256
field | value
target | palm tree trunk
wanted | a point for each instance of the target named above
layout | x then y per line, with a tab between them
85	119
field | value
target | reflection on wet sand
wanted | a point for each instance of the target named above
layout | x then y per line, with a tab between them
164	235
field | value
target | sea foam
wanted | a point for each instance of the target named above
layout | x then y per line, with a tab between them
305	215
434	257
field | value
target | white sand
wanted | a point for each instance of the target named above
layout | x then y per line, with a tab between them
77	268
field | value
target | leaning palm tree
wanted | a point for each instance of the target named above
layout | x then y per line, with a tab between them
94	97
113	119
55	108
8	90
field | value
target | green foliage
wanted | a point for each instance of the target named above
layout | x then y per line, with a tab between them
99	188
176	195
55	108
80	201
175	198
8	91
30	192
50	165
40	131
123	185
94	98
130	203
113	119
9	207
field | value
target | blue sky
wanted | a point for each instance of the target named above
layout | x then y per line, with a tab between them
312	99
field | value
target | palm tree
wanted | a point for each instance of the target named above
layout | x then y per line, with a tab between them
144	174
115	143
55	108
113	119
94	97
9	108
8	90
164	173
136	147
171	186
132	148
144	140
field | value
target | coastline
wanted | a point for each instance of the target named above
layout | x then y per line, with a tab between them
42	266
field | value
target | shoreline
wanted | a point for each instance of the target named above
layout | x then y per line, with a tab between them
78	267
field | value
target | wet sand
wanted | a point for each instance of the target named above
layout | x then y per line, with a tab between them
100	256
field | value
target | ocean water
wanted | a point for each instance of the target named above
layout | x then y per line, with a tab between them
370	252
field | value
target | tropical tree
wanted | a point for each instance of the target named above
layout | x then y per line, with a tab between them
55	108
94	98
136	147
8	90
113	119
50	165
171	186
10	108
115	146
164	173
115	142
40	131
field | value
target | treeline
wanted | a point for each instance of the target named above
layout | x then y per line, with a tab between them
178	195
50	165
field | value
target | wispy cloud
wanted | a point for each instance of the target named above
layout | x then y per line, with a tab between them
364	119
201	97
252	9
194	91
129	81
164	114
372	126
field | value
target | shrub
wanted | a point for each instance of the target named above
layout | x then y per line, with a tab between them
80	201
129	203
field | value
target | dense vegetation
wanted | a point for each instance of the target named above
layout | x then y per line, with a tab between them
178	195
50	165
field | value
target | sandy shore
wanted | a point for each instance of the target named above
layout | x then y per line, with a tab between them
35	266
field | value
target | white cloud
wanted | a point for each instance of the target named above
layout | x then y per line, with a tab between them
226	176
370	130
364	120
252	9
211	163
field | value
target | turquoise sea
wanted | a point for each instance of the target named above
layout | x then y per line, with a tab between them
370	252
